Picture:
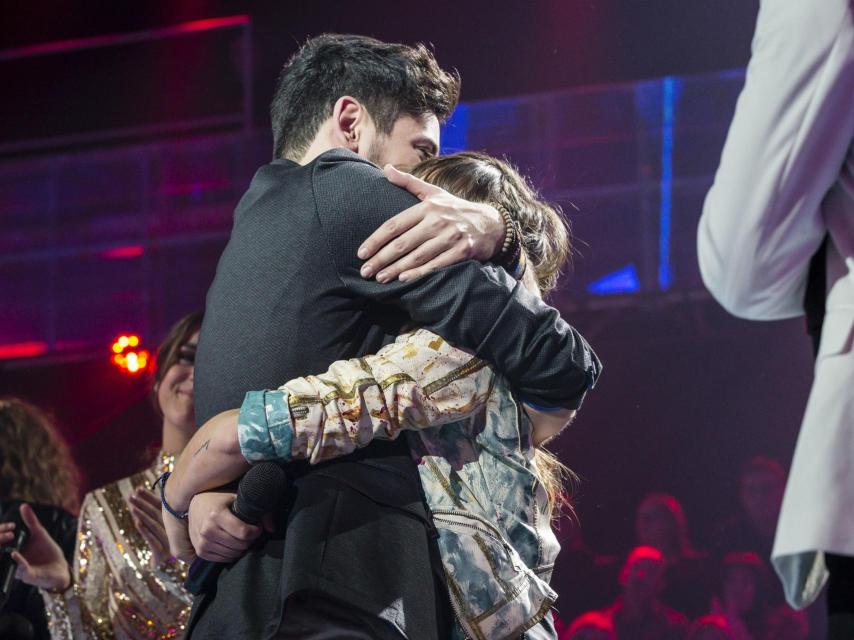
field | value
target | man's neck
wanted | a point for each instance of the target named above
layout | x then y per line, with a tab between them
319	145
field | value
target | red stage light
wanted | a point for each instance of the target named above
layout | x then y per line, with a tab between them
119	253
127	357
22	350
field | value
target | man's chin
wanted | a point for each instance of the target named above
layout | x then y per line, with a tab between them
378	154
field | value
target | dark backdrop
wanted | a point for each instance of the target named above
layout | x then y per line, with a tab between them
500	48
687	394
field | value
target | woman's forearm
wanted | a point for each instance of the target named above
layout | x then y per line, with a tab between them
417	382
211	459
545	425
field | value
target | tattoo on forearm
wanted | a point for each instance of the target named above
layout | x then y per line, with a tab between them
204	447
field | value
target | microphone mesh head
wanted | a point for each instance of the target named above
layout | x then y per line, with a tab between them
259	491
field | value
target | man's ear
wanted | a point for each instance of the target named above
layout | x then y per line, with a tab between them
347	116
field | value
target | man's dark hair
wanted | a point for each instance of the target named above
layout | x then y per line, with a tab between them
391	80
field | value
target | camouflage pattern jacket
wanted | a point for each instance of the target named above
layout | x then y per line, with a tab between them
474	448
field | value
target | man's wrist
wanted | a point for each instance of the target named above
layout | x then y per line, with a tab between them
509	253
495	230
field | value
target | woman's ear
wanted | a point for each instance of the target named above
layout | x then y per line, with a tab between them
347	117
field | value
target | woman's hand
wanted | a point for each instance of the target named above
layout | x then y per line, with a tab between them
179	537
42	563
145	509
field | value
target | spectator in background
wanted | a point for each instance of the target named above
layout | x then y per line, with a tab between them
784	623
36	468
593	625
660	522
761	488
123	582
711	627
582	580
743	598
639	614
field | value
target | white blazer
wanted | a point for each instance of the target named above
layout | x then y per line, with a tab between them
786	179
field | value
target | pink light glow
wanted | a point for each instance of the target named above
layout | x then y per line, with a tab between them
122	253
22	350
112	39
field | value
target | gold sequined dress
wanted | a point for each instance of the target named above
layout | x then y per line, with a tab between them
117	592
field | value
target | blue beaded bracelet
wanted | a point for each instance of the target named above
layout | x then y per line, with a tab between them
162	482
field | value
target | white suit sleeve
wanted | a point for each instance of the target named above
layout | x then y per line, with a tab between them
793	124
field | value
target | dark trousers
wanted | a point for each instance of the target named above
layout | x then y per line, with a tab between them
840	597
313	615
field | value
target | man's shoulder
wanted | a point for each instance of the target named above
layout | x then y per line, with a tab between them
348	161
328	172
339	166
271	181
348	185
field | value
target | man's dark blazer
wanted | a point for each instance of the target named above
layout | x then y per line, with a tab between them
287	301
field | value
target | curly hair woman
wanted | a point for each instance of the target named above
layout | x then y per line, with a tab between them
36	469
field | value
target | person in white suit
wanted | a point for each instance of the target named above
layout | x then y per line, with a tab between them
785	184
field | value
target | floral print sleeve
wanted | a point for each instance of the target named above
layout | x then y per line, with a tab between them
417	382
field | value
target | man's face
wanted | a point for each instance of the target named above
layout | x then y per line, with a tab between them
655	527
411	140
645	577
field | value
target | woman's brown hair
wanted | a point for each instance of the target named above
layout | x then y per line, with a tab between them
169	350
478	177
35	463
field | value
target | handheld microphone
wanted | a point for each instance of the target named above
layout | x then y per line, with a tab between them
257	495
7	565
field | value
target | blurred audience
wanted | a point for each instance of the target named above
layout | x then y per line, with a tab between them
638	613
593	625
689	579
743	594
710	627
584	580
761	486
784	623
666	581
36	468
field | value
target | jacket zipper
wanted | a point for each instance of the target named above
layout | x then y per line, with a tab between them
485	526
457	614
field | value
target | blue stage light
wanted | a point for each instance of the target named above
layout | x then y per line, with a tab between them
455	130
624	280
